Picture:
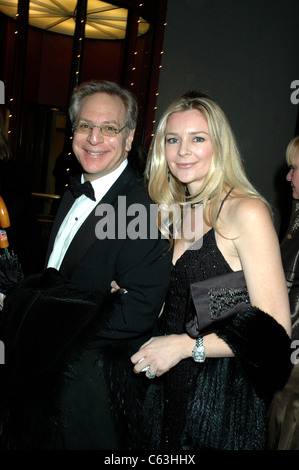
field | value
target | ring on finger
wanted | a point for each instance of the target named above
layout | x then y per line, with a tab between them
151	375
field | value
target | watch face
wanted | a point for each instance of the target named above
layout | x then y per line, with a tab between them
199	355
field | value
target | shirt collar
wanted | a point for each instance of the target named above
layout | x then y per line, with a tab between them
103	184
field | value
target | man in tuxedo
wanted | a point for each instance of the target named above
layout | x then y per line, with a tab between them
104	118
103	232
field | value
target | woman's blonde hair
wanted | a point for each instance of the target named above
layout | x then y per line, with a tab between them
292	149
226	171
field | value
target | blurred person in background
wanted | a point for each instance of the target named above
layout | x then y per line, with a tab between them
283	432
24	234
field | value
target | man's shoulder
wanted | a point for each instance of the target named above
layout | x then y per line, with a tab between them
135	188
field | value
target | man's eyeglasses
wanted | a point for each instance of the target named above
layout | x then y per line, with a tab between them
86	128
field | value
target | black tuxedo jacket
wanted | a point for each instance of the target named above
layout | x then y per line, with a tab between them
69	381
140	265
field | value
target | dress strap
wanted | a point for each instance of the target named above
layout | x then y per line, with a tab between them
221	205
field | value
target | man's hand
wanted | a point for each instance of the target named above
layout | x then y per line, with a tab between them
2	297
116	289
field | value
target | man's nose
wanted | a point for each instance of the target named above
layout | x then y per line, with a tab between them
289	175
95	136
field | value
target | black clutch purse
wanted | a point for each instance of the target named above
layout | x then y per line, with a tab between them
213	301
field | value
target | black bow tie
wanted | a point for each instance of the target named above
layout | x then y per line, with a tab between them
78	188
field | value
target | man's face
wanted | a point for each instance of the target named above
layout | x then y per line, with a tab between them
100	154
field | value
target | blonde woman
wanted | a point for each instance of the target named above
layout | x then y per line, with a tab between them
213	388
283	432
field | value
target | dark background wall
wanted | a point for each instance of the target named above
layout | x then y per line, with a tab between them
245	54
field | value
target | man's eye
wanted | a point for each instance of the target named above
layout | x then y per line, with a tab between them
110	128
83	126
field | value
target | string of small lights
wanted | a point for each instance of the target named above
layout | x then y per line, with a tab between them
135	63
10	115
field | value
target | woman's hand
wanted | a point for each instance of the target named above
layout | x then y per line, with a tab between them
162	353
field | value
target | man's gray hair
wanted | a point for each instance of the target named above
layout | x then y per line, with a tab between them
110	88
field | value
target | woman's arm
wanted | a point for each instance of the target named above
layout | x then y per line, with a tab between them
253	241
162	353
258	249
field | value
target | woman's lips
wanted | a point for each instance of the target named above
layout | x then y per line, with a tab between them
184	166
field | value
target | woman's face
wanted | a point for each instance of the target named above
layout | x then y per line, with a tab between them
293	176
188	148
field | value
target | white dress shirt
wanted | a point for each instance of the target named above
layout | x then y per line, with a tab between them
77	214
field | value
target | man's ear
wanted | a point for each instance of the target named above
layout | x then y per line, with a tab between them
129	140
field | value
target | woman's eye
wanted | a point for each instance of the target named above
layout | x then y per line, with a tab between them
172	140
198	139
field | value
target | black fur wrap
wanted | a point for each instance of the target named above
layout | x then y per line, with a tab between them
46	325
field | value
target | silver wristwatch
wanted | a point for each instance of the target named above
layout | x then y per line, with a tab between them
199	353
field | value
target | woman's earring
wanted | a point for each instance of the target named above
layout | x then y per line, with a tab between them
168	175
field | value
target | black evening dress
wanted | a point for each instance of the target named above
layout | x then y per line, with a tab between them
215	404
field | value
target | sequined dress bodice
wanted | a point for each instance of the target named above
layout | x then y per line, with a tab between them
202	261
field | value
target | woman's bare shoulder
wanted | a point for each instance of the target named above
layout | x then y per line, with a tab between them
241	212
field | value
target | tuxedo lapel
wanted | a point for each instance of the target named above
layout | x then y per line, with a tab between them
120	186
86	236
